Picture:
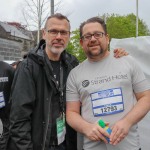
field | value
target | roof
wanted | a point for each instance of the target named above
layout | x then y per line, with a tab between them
14	31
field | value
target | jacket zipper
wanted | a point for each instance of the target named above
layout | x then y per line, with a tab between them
47	125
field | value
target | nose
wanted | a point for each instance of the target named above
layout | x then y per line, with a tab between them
93	38
58	35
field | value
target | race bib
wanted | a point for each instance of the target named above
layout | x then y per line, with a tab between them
3	79
2	100
61	128
107	102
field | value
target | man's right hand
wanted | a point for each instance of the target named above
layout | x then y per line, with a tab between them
96	133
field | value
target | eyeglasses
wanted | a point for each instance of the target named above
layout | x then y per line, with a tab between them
55	32
96	35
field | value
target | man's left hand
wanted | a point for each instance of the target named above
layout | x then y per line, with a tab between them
119	132
119	52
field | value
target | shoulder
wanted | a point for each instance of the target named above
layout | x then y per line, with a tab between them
69	59
6	68
79	68
131	61
128	60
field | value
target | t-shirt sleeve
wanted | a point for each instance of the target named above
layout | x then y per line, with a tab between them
71	88
139	81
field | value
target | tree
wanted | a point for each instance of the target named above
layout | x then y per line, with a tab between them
74	46
125	26
117	27
35	13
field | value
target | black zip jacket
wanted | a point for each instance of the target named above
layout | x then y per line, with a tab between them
32	91
6	78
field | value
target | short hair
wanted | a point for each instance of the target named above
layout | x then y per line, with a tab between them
58	16
93	20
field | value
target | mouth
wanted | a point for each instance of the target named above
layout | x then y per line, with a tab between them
58	44
93	45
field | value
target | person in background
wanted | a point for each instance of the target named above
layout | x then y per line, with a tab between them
37	118
6	78
15	64
106	88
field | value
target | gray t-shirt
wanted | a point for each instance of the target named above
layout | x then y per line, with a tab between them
106	90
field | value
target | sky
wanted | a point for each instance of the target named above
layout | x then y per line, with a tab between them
80	10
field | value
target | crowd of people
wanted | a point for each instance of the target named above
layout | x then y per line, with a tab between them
38	112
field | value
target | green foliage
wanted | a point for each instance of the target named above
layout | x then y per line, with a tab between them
125	26
74	46
117	27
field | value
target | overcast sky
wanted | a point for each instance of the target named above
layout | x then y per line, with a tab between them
81	10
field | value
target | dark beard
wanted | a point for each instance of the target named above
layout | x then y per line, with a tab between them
101	53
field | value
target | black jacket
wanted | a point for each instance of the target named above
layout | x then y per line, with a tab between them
6	78
32	92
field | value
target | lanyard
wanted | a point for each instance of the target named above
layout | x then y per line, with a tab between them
60	85
61	88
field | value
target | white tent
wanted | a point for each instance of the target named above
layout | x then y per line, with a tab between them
139	48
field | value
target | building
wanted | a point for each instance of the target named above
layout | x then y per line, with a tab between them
15	41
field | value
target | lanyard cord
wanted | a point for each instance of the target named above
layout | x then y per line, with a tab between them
59	85
61	88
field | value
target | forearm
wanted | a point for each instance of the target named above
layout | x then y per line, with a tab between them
75	120
122	127
91	130
140	109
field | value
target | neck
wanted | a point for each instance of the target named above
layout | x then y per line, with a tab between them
99	58
53	56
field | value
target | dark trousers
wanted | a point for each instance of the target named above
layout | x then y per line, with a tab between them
58	147
5	134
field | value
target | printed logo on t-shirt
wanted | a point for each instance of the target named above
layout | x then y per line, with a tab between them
85	83
107	79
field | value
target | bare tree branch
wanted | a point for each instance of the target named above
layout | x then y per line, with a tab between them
31	6
35	12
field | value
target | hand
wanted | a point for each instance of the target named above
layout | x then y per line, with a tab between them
119	132
119	52
95	133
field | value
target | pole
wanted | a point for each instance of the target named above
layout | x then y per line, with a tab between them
137	18
52	7
39	20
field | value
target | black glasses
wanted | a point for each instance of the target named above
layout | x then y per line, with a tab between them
54	33
96	35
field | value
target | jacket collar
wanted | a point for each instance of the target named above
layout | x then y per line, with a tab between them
39	54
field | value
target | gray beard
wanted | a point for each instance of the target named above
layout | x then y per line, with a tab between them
57	51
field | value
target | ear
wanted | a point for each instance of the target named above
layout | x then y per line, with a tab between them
107	38
43	33
69	36
81	42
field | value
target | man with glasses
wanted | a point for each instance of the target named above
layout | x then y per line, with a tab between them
105	88
38	94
